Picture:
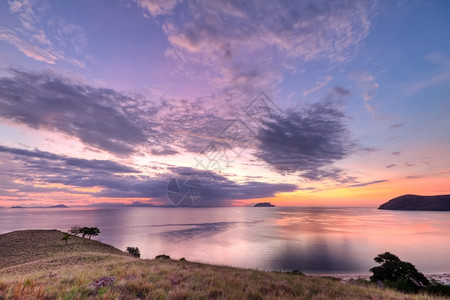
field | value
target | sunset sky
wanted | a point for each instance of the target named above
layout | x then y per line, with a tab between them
336	103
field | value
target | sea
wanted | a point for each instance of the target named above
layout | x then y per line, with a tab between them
313	240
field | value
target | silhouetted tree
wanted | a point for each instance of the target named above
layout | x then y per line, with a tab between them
89	231
398	274
134	251
94	231
84	231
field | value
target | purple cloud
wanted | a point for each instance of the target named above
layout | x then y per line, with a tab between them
230	36
119	181
368	183
395	126
69	162
307	142
100	118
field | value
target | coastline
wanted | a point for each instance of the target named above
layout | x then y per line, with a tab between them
443	278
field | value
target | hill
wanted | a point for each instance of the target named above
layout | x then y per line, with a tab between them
26	246
417	202
37	264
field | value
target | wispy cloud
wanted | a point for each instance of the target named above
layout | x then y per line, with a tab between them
157	7
71	35
30	50
320	84
420	85
395	126
368	183
368	87
31	38
24	11
218	34
438	58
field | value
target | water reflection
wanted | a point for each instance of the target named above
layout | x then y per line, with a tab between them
197	231
314	240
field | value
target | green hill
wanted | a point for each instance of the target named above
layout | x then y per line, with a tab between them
37	264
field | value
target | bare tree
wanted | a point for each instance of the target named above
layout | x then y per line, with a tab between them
75	230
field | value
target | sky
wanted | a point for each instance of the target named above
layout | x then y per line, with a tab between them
219	103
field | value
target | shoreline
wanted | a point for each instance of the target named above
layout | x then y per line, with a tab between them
443	278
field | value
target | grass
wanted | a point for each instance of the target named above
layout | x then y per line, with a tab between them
33	245
38	265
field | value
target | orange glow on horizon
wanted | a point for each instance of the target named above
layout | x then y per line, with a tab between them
371	195
364	196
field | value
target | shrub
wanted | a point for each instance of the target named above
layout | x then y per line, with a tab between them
438	289
296	272
162	256
65	238
134	251
397	274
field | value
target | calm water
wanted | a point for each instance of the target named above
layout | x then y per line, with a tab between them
313	240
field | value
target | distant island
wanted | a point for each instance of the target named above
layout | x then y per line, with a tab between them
264	204
53	206
417	202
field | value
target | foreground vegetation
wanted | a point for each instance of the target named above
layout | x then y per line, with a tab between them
403	276
40	265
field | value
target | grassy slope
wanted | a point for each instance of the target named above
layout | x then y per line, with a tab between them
20	247
36	264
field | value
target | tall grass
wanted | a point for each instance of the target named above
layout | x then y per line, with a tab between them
169	279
